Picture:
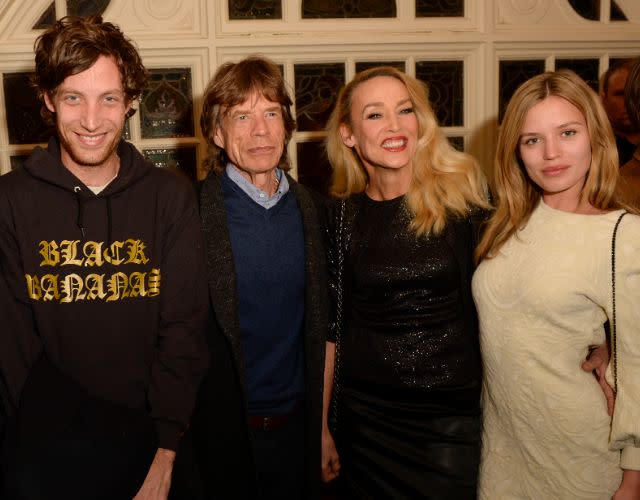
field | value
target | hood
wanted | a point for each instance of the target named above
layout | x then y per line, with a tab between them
46	166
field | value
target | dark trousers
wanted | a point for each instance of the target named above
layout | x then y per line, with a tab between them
279	456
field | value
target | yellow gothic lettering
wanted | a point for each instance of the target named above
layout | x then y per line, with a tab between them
154	283
137	284
49	286
95	286
69	253
135	252
49	252
118	287
33	287
112	253
72	287
92	251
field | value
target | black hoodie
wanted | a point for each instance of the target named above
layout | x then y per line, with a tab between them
109	288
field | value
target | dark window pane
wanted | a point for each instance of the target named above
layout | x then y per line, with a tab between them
314	170
332	9
457	142
25	125
616	12
126	133
361	66
439	8
255	9
17	161
512	75
444	79
587	69
86	7
317	87
167	105
47	18
180	160
589	9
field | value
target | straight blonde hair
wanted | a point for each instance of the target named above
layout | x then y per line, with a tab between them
517	195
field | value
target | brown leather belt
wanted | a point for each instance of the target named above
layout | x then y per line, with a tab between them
271	423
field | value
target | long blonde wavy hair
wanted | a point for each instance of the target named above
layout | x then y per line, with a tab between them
444	182
517	196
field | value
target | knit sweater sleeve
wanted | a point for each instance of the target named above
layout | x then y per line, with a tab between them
625	430
181	354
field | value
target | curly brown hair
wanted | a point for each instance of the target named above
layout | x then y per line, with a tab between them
73	44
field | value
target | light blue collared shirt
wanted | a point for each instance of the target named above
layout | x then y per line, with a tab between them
255	193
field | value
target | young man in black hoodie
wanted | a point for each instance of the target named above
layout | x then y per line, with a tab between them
102	293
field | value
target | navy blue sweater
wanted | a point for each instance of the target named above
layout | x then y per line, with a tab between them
268	253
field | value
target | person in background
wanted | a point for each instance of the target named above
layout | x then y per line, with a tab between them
256	428
102	292
404	359
612	84
630	171
543	290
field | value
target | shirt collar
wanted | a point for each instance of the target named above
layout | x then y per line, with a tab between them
254	192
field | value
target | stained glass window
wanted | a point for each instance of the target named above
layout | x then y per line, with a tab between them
317	87
180	160
255	9
439	8
332	9
74	8
314	170
587	69
444	79
167	105
512	75
25	125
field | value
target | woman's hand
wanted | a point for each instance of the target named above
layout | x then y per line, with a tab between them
597	362
330	458
630	486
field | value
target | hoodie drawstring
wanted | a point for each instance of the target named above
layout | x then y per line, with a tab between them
109	223
80	220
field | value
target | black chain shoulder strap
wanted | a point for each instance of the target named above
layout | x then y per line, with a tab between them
614	347
340	248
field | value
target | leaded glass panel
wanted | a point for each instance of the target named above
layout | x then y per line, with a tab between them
616	12
589	9
47	18
439	8
333	9
166	109
512	75
255	9
17	161
587	69
363	65
457	142
314	170
86	7
24	123
317	87
180	160
444	79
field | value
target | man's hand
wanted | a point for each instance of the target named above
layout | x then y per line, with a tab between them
330	458
158	481
597	362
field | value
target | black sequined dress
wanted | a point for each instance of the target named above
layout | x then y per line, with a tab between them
409	417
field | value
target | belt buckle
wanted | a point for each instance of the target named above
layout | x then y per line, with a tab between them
267	422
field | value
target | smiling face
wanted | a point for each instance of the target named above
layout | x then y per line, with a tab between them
555	148
90	109
252	134
384	128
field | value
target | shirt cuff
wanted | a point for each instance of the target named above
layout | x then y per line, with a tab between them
169	434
